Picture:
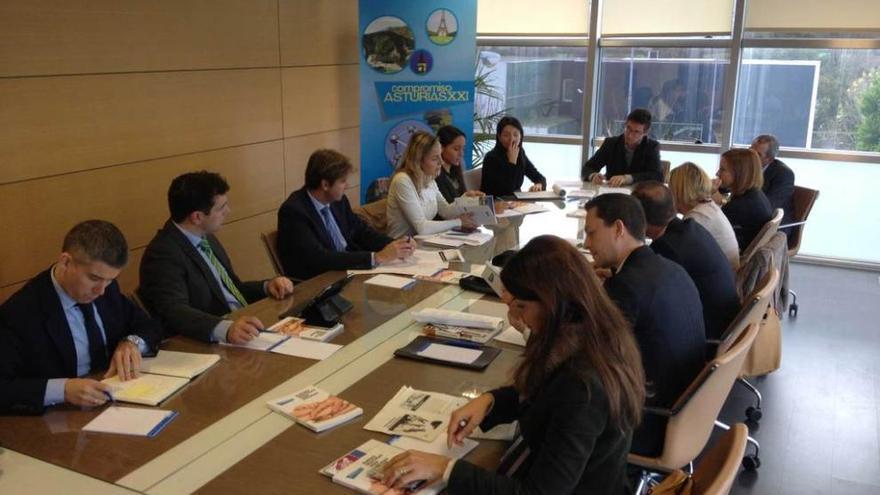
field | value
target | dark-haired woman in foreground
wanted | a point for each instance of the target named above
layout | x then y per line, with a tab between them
577	393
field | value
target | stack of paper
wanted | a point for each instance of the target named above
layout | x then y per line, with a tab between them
477	238
264	341
392	281
315	409
422	262
458	318
131	421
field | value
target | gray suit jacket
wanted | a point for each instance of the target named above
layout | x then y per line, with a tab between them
179	289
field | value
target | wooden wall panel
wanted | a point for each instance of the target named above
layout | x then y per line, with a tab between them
335	43
318	99
39	37
245	247
128	277
131	196
62	124
297	151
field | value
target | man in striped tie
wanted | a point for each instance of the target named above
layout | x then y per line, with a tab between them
187	279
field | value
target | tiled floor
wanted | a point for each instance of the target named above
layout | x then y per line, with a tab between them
821	427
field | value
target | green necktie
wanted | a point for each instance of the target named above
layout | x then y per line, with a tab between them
205	246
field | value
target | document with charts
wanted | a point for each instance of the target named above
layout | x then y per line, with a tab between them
416	413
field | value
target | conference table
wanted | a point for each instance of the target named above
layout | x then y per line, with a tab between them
225	438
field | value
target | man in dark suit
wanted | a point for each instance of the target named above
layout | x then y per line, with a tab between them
778	178
187	280
71	321
690	245
318	231
630	157
658	298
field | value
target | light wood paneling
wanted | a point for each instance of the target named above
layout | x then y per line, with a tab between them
319	99
128	278
335	43
297	151
131	196
62	124
39	37
245	247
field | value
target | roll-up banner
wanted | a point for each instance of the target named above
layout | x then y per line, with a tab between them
416	74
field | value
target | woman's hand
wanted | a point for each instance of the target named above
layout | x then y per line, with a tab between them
513	153
537	187
474	194
467	417
500	207
412	466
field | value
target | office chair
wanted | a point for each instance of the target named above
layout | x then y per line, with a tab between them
270	241
764	235
374	214
717	470
803	200
693	416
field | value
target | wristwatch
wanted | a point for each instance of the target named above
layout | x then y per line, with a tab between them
137	341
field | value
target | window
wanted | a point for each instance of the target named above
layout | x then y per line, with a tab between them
810	98
682	87
541	86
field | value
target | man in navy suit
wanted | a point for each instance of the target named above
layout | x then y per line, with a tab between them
690	245
318	231
71	321
187	279
778	178
628	158
658	298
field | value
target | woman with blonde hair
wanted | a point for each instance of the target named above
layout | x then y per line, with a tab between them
691	190
413	197
577	393
748	208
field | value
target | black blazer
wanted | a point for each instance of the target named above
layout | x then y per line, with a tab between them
446	185
779	188
747	213
178	287
502	178
645	163
574	446
690	245
36	343
660	300
305	246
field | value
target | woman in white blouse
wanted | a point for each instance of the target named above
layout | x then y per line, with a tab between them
692	191
413	197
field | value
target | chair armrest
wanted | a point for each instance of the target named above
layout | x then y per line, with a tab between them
659	411
792	224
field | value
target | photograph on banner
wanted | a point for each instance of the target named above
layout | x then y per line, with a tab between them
416	74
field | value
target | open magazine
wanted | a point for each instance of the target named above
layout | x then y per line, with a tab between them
416	413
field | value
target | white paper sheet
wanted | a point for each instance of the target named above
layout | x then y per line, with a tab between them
129	421
451	353
393	281
306	349
511	336
422	262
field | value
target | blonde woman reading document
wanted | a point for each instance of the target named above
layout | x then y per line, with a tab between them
414	199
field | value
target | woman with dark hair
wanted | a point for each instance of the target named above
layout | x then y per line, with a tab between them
577	393
505	166
748	208
451	178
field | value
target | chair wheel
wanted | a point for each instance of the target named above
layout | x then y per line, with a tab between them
754	414
751	462
792	310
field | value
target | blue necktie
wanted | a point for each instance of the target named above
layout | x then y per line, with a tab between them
335	235
97	349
